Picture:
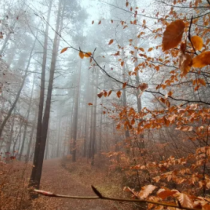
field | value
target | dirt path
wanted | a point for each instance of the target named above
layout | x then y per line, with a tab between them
58	180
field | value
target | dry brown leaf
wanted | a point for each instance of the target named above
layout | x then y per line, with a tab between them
64	49
109	93
185	63
185	200
111	41
202	81
100	94
206	207
143	86
183	47
124	84
150	49
118	93
173	35
197	42
87	55
201	60
146	191
81	54
164	193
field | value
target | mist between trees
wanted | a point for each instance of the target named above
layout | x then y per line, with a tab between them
122	86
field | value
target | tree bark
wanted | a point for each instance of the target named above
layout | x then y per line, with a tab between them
33	180
27	119
75	117
43	124
93	150
19	92
30	141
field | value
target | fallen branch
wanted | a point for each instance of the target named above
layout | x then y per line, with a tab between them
101	197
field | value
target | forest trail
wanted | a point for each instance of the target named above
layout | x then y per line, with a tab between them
57	179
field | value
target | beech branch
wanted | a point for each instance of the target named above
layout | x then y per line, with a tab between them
189	35
115	79
99	196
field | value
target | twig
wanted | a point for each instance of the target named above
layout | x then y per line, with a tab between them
189	35
113	78
101	197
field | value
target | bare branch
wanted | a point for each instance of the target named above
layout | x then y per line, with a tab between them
101	197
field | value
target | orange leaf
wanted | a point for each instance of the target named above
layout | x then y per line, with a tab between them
173	35
132	122
122	63
185	63
118	126
124	84
126	4
118	93
117	53
109	93
164	193
146	190
170	93
81	54
100	94
183	47
197	42
202	81
90	104
143	86
111	41
87	55
201	60
142	49
150	49
105	93
64	49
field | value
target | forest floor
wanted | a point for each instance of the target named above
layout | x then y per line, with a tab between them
63	177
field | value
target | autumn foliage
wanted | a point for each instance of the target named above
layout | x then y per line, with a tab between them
173	172
169	173
161	147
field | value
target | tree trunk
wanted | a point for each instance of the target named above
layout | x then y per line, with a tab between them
75	117
43	124
27	119
33	180
87	98
138	99
127	133
94	118
58	139
30	141
19	92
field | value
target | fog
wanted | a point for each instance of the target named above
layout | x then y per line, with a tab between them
85	25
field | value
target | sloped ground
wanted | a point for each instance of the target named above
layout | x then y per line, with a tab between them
59	179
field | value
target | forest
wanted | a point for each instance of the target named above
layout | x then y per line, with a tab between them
104	104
